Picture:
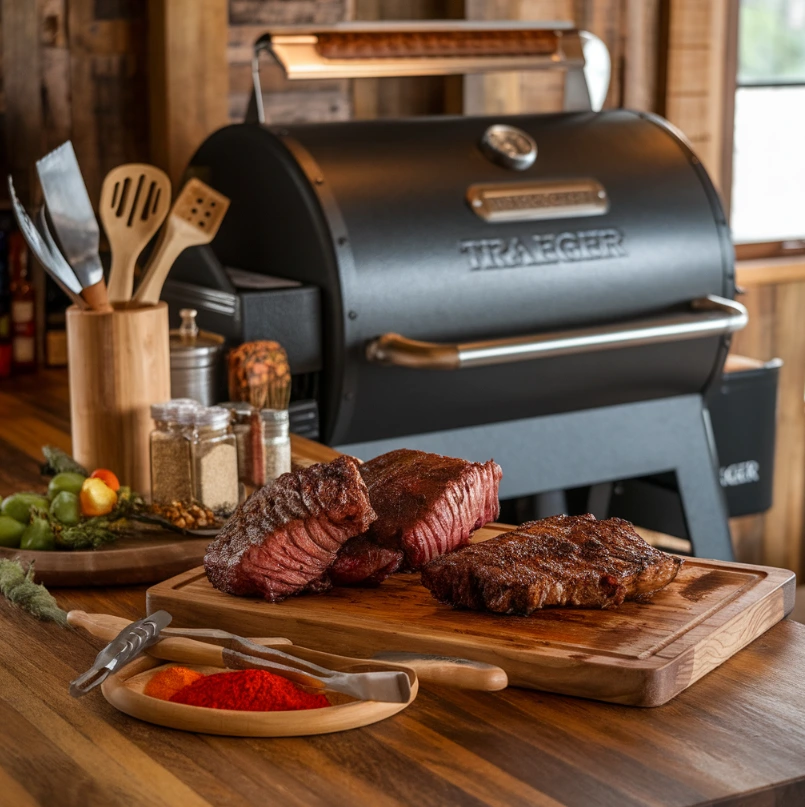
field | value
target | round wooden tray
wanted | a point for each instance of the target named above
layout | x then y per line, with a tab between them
124	690
155	556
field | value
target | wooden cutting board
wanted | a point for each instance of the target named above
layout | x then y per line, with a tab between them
638	654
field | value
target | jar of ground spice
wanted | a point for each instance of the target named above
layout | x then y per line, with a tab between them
241	418
214	459
171	469
276	443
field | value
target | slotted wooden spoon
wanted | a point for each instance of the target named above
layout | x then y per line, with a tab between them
134	202
194	219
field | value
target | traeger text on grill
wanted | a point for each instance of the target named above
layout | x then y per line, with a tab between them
567	247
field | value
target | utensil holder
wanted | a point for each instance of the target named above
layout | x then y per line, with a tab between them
119	364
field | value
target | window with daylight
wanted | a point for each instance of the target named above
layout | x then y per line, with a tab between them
768	184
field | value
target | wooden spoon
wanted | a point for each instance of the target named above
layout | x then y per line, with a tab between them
134	202
460	673
194	219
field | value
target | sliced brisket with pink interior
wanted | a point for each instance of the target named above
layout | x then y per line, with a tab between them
561	560
427	504
285	536
362	562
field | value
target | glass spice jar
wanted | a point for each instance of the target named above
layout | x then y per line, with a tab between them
171	469
214	458
276	443
241	419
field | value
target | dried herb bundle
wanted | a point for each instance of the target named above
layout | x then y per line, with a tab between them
19	588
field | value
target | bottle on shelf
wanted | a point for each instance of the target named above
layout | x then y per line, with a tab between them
5	303
23	308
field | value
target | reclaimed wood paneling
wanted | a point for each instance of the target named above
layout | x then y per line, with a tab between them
641	51
109	109
403	97
512	93
775	330
284	101
21	89
697	83
57	114
188	76
629	30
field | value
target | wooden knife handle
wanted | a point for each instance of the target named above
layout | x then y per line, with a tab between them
451	672
97	298
171	648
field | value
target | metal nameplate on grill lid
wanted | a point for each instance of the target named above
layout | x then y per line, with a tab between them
536	201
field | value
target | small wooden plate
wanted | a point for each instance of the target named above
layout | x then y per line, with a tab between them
156	555
124	690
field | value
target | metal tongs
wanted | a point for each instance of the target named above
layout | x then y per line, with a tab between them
389	686
125	647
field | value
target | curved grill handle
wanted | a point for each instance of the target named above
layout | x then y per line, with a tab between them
708	316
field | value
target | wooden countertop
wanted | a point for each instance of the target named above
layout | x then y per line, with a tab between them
736	737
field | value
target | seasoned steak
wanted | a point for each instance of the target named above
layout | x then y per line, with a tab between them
361	562
427	504
562	560
283	538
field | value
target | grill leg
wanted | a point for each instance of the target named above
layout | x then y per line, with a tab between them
702	497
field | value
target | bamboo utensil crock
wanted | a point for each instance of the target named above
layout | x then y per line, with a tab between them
119	364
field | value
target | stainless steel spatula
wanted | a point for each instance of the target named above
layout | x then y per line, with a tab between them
74	221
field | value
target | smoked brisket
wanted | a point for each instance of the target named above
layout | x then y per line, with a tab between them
562	560
427	504
285	536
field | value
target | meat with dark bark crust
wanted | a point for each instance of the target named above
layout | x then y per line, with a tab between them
562	560
427	504
285	536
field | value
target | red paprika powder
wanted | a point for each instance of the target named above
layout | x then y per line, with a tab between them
248	691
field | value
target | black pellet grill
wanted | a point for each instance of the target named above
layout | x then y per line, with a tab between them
554	291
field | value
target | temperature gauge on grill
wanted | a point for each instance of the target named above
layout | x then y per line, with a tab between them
509	147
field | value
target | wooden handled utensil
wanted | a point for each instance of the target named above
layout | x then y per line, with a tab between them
74	221
443	671
194	219
135	198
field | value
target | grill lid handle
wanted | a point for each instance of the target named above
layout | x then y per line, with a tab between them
708	316
440	48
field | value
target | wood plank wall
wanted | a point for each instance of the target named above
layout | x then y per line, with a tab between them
697	82
74	69
284	101
629	28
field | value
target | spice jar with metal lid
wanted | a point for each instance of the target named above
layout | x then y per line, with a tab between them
171	468
214	460
276	443
241	419
195	358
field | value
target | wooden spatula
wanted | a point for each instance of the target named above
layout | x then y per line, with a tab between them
194	219
134	202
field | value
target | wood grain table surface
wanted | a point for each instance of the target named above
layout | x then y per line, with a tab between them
736	737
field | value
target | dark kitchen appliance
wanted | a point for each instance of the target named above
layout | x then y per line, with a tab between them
554	291
743	407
